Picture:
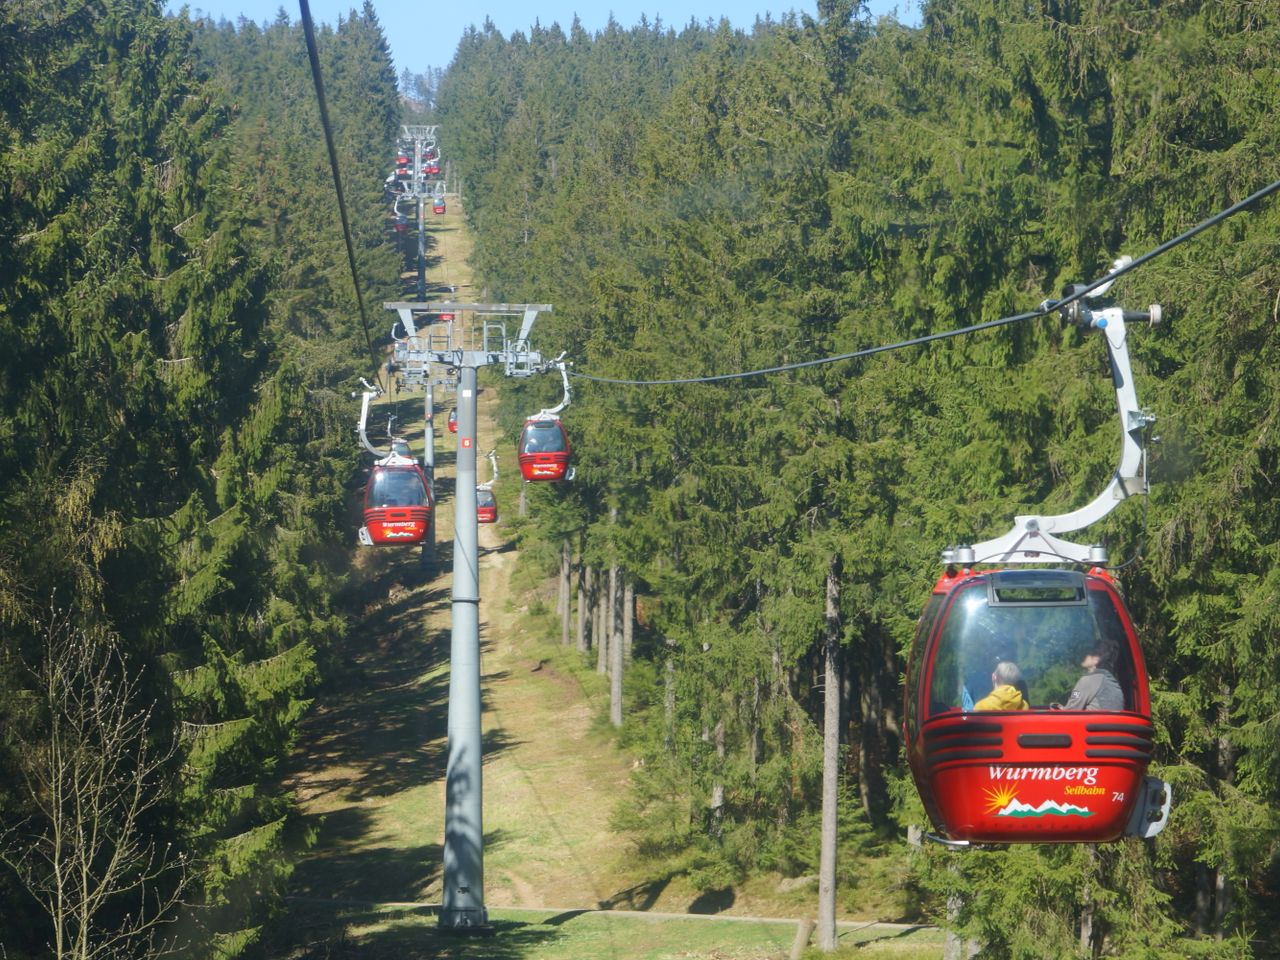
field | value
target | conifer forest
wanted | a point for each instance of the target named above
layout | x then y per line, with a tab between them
180	339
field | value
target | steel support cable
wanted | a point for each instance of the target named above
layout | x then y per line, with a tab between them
1046	308
313	54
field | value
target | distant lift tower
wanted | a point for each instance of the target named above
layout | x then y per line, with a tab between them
422	190
465	348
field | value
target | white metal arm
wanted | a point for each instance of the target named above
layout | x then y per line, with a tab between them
366	395
1033	537
551	413
493	461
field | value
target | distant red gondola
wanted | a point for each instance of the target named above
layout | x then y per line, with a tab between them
544	450
452	423
397	502
486	506
437	206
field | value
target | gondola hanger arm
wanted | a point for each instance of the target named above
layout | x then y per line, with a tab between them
367	394
1033	538
562	365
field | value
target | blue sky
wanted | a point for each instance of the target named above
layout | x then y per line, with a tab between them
423	34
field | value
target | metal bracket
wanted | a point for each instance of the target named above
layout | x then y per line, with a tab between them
916	836
1151	813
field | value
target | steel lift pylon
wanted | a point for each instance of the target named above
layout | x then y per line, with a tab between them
465	350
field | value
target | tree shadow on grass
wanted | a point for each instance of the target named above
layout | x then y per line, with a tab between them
444	487
351	865
642	896
381	727
848	939
408	933
385	733
713	901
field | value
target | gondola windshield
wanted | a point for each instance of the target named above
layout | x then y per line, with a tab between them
1045	624
397	488
543	436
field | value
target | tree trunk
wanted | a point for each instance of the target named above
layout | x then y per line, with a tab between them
827	937
954	946
756	732
616	657
669	704
1227	773
589	614
1088	905
602	623
628	615
717	785
871	783
566	605
1204	900
889	667
583	588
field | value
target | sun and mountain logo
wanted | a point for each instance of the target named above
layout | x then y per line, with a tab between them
1003	802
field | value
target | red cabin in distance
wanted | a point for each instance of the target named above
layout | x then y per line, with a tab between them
437	206
452	422
1042	774
486	506
544	450
397	502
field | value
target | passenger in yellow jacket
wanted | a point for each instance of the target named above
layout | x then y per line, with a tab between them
1008	689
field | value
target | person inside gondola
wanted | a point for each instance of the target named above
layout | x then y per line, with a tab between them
1008	689
1098	689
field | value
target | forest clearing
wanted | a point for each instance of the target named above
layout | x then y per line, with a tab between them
369	768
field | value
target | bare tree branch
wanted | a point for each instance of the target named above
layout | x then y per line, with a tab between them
92	774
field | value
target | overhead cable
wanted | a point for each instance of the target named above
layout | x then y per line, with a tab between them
313	54
1044	310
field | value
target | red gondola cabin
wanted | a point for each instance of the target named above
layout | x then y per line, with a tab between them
452	422
437	206
544	449
1049	772
486	506
397	502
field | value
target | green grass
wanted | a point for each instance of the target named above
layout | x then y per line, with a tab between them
410	933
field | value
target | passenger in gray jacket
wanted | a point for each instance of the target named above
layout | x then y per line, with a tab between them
1098	689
